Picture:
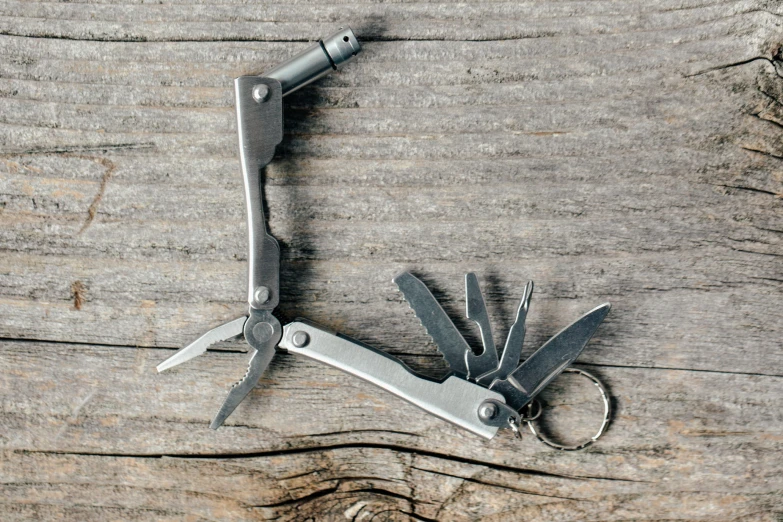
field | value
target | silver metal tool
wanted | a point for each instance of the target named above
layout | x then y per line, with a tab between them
476	310
516	337
259	104
446	336
482	393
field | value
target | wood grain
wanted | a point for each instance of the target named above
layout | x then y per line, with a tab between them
627	152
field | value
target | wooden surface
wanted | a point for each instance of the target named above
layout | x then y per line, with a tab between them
629	152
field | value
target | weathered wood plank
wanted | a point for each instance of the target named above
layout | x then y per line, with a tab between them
625	152
406	20
109	428
533	216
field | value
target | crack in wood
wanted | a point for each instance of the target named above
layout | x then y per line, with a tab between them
749	189
773	254
761	151
758	116
79	149
301	500
351	432
474	480
236	39
333	447
675	369
735	64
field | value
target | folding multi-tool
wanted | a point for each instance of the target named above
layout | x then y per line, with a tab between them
483	392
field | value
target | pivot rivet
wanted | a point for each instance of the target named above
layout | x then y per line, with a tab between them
300	339
263	332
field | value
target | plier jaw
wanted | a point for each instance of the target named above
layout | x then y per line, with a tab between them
262	332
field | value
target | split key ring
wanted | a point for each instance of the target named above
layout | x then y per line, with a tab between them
601	430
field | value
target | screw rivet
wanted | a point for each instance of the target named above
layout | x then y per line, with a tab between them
263	332
487	411
261	295
260	92
300	339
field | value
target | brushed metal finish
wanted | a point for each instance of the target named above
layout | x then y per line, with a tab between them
516	337
476	311
262	350
219	333
259	109
454	400
341	47
550	360
435	320
260	127
316	61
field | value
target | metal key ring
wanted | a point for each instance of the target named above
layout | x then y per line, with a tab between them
604	424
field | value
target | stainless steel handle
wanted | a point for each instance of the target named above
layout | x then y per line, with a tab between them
260	126
259	102
454	400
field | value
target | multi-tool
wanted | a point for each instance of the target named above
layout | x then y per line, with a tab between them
483	392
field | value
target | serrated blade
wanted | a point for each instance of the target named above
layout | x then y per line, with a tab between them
223	332
435	320
550	360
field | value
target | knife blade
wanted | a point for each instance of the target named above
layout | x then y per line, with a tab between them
550	360
447	338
